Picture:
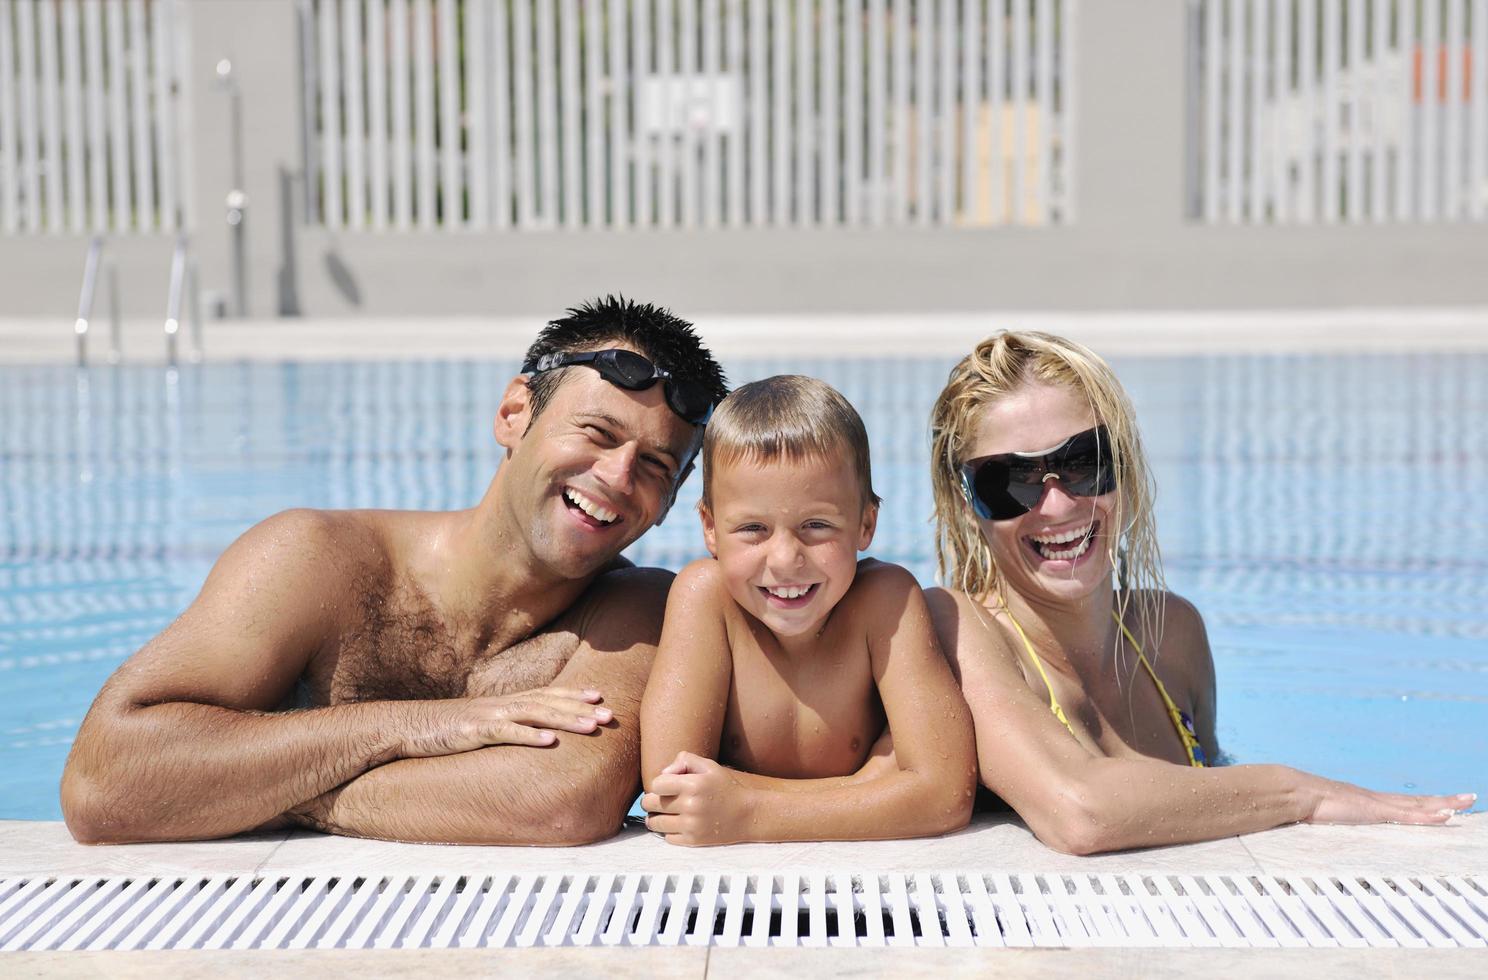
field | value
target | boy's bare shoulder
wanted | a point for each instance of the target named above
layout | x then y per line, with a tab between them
881	587
883	575
700	583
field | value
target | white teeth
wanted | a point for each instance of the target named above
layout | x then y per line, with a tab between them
1084	535
1070	555
787	591
595	510
1061	538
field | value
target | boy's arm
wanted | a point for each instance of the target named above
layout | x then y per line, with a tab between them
930	791
687	697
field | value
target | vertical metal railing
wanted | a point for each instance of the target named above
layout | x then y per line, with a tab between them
1342	111
90	132
181	299
572	114
94	263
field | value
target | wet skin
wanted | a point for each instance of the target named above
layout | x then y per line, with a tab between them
781	660
465	676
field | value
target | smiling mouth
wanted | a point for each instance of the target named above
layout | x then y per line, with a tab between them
596	512
1065	546
789	596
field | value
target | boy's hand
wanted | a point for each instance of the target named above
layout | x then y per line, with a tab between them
695	801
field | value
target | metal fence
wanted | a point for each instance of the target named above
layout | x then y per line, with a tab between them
1340	110
90	119
536	114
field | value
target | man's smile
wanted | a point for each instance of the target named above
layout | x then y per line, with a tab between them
595	510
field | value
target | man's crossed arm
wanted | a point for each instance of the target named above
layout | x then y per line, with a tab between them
184	742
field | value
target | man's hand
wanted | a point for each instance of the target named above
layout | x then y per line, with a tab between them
524	718
695	801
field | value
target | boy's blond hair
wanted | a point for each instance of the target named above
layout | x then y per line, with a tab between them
789	416
999	366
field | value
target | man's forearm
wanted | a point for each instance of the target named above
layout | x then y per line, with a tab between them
574	792
183	771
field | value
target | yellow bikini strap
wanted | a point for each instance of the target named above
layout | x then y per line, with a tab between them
1038	663
1189	740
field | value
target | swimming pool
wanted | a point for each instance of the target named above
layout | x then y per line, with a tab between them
1322	512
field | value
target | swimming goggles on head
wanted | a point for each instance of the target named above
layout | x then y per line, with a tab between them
1008	485
629	370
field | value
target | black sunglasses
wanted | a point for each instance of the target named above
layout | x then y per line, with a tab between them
1008	485
629	370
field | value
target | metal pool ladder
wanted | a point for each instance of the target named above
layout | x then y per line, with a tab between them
954	908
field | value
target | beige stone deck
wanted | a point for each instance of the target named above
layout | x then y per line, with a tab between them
990	844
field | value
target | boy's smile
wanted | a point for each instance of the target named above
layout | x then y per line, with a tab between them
787	534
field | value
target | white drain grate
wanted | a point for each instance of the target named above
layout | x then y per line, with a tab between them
950	909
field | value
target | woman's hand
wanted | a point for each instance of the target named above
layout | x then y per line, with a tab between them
695	801
1345	803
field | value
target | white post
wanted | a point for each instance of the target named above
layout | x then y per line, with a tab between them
402	142
351	84
451	171
51	145
330	116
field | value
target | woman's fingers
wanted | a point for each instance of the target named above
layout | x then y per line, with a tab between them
1458	801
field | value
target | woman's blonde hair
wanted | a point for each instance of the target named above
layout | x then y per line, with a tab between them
999	366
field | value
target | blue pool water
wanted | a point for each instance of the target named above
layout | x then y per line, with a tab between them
1325	513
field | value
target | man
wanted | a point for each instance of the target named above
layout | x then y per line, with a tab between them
472	676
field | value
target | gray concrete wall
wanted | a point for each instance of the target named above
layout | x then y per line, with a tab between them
1130	245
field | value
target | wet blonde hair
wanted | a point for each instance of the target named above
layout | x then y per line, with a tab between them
789	416
999	366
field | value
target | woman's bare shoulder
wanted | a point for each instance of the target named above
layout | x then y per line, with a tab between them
969	633
1182	652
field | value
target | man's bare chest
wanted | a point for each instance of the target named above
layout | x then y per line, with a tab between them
409	652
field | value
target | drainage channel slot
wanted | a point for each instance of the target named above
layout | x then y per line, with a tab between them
367	911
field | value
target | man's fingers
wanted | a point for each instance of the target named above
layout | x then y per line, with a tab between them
568	716
586	694
507	733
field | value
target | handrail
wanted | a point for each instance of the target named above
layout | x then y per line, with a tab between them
183	288
173	299
84	321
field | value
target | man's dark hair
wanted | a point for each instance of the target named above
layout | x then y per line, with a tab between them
667	341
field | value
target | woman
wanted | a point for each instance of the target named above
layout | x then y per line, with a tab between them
1091	686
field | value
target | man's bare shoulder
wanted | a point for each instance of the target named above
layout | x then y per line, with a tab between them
320	546
623	606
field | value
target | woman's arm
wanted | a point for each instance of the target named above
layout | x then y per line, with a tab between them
929	791
686	698
1080	802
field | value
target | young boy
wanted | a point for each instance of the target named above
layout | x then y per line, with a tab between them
785	662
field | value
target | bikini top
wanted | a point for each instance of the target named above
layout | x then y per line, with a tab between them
1182	723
